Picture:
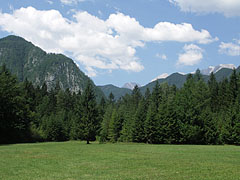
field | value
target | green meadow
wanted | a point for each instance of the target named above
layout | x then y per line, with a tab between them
77	160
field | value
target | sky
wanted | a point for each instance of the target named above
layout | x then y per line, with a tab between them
120	41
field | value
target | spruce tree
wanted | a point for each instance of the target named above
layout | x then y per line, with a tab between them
151	125
233	86
14	111
104	133
114	127
139	120
213	93
89	117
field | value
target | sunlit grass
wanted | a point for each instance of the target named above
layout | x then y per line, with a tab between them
77	160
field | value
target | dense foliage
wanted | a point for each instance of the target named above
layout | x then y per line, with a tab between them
198	113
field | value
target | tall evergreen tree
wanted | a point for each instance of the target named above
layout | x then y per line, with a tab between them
89	118
114	127
233	86
139	120
151	125
14	111
213	93
104	133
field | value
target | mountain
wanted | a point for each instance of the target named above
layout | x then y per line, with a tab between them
30	62
176	79
215	69
162	76
130	85
116	91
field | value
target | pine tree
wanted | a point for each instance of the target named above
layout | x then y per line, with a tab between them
101	110
114	127
213	93
224	95
104	133
89	117
233	86
139	120
151	125
111	98
197	76
136	97
14	111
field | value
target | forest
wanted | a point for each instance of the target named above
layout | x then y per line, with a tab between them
197	113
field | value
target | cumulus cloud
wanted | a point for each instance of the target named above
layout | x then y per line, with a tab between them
161	56
226	7
192	55
230	49
105	44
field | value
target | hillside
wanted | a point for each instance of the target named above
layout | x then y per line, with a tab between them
176	79
116	91
27	61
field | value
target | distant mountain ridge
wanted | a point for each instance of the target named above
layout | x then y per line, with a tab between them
215	69
131	85
177	79
116	91
30	62
207	71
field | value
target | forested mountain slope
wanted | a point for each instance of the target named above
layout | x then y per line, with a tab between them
30	62
116	91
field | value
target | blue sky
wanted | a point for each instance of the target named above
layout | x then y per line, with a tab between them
119	41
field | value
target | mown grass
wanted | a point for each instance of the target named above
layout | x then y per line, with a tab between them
77	160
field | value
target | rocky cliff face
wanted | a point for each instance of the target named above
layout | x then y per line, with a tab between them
28	61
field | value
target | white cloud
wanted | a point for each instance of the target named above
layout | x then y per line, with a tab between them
165	31
130	28
105	44
226	7
71	2
162	76
192	55
229	49
161	56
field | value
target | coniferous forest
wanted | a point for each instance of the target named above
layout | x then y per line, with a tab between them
197	113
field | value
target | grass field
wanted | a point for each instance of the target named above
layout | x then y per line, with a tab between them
77	160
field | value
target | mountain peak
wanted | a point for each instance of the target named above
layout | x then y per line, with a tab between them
215	69
13	38
130	85
37	66
161	76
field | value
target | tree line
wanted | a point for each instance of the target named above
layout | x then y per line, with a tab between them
197	113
